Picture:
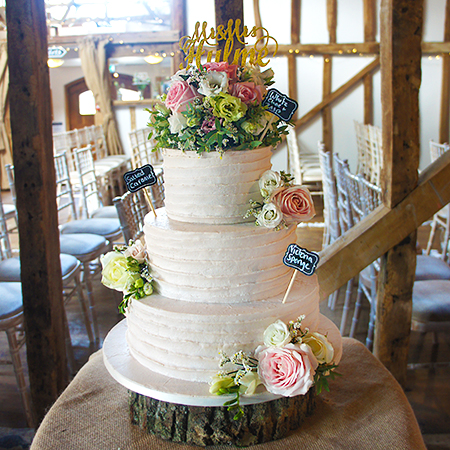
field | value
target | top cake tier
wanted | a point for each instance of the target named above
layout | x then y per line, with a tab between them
213	188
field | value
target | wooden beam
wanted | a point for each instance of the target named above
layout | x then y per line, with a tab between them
369	36
327	117
258	21
332	20
179	28
344	89
370	24
229	10
296	7
444	117
384	228
36	201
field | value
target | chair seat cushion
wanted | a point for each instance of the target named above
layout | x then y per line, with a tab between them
106	212
10	268
431	268
431	301
83	245
10	299
102	227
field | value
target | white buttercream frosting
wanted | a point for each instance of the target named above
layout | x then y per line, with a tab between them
219	280
216	263
183	340
212	187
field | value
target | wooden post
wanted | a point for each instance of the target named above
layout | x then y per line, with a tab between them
369	36
444	117
327	118
226	10
178	24
296	7
401	34
36	201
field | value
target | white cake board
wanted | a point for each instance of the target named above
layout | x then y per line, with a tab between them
137	378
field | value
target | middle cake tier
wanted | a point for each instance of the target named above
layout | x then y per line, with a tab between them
217	263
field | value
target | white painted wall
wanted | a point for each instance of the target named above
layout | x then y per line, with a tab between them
276	18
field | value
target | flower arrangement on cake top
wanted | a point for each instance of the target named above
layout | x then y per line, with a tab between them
291	361
125	269
283	202
216	107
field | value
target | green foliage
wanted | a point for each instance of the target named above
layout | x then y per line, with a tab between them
324	373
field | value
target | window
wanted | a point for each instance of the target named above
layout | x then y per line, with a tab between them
87	104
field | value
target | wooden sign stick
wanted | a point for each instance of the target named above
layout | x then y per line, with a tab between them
267	127
149	200
290	285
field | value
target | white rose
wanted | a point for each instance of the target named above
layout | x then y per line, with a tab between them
214	83
177	122
114	271
320	346
250	381
136	251
277	335
269	182
270	216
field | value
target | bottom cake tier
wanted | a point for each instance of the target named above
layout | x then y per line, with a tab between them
183	340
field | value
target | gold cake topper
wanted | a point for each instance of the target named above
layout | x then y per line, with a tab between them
193	46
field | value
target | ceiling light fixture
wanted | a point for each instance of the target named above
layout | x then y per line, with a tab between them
153	59
54	63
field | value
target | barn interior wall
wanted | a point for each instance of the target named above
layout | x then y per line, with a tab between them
310	71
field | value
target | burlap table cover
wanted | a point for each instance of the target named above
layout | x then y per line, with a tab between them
366	409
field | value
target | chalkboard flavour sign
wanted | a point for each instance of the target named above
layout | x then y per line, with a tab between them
301	259
140	178
280	104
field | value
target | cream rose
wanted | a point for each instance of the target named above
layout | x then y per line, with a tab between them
136	251
269	182
287	371
320	346
270	216
277	334
295	203
177	122
114	271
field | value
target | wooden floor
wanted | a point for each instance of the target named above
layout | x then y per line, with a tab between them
428	388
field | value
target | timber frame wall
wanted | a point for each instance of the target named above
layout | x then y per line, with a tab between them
370	47
388	232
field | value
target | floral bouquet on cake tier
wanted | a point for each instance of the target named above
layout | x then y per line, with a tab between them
216	108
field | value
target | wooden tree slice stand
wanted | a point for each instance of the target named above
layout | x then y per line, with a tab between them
197	425
185	412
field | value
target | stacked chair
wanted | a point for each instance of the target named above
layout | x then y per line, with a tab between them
143	149
11	308
305	167
132	207
88	239
356	198
109	169
91	202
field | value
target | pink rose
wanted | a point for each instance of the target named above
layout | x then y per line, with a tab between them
179	95
230	69
295	203
287	371
248	92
